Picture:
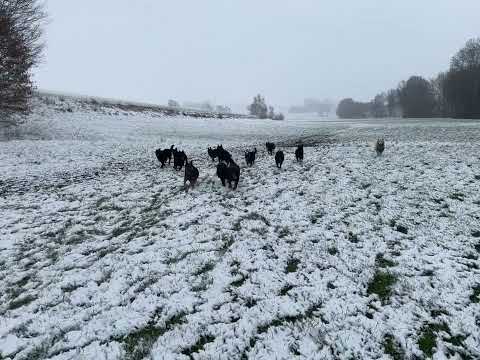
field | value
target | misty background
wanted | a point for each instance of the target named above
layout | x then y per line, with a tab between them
228	51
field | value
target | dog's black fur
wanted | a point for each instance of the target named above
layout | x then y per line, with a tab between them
380	146
213	153
223	155
279	158
299	153
250	157
163	155
270	147
229	173
191	174
179	159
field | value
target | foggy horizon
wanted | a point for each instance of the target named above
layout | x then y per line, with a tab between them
227	53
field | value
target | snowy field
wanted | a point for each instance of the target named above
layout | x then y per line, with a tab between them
103	255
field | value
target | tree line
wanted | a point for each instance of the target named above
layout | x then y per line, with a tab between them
454	93
21	48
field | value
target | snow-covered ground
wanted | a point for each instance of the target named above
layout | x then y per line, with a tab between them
103	255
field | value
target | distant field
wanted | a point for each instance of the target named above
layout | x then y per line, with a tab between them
103	255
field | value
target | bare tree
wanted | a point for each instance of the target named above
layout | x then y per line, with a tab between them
21	49
258	108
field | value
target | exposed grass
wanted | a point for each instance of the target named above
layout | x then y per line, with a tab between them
332	251
21	301
227	243
316	216
70	288
381	285
262	231
283	231
438	312
237	226
280	321
456	340
353	237
428	273
428	338
402	229
137	345
392	347
475	297
39	352
198	346
239	282
205	269
284	291
380	261
457	196
119	231
292	265
477	247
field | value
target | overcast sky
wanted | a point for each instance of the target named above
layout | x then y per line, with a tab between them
226	51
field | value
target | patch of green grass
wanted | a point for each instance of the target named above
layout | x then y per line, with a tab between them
381	285
427	343
428	338
456	340
392	347
380	261
289	319
137	345
198	346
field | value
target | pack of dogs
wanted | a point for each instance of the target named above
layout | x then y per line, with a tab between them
228	170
